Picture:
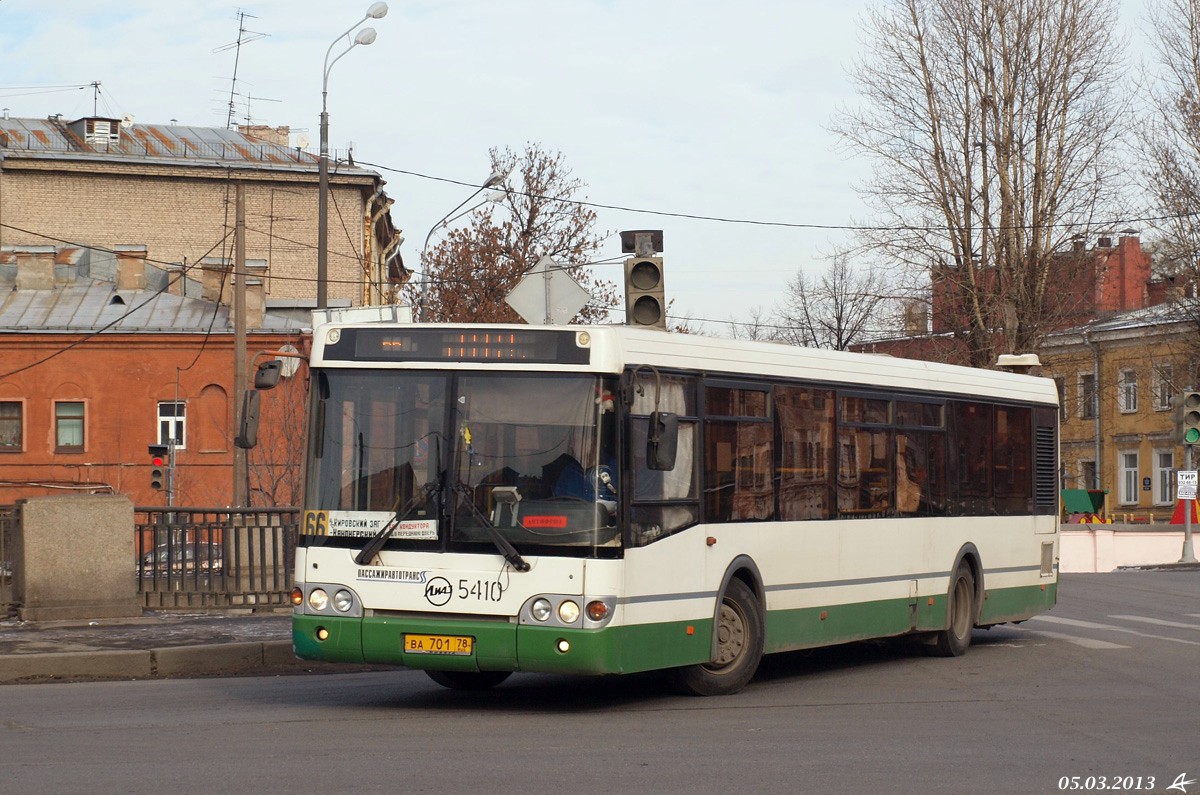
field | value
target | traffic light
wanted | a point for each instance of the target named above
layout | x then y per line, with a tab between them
158	466
645	299
1189	417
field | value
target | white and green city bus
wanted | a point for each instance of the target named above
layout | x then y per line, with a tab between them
605	499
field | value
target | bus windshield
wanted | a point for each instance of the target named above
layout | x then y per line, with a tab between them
458	458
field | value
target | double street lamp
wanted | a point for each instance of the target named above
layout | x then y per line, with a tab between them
364	37
494	179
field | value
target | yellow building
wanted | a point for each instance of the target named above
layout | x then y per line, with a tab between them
1117	377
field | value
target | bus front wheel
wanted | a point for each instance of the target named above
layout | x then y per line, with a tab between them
956	638
469	680
739	647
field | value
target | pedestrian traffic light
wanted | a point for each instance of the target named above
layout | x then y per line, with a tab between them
645	298
1189	417
158	466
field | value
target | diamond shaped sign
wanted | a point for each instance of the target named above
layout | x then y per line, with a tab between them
547	294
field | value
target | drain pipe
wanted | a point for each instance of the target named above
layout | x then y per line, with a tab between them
1087	340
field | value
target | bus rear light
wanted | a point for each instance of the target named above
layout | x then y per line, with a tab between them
297	597
597	610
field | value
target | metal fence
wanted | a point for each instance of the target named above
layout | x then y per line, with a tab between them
8	531
214	557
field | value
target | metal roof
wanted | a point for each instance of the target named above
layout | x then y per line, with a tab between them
55	138
88	306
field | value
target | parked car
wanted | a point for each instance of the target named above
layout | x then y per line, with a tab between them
187	557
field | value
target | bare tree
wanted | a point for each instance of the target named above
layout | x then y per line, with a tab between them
475	266
1170	141
989	125
837	309
758	326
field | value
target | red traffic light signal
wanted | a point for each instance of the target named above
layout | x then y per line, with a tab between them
158	466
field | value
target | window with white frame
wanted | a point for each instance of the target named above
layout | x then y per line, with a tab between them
68	426
1087	396
172	423
1127	397
1128	477
1164	378
1164	477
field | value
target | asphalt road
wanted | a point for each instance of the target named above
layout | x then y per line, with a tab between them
1105	686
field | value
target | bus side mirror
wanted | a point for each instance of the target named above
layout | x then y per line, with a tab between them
267	374
248	434
662	440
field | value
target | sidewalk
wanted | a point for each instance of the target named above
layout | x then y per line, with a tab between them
158	644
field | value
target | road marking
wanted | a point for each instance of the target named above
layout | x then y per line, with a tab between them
1158	621
1087	643
1071	622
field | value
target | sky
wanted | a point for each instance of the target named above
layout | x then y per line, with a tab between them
680	107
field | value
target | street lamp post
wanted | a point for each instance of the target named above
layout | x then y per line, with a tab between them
364	37
494	179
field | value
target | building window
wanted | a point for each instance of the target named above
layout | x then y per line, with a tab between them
1127	397
68	426
12	426
1087	396
172	423
1164	477
1129	478
1087	474
1164	377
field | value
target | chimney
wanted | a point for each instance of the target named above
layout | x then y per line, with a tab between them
216	279
256	301
175	277
35	267
131	267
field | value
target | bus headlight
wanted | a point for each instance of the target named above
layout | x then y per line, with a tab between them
568	612
540	609
343	600
318	599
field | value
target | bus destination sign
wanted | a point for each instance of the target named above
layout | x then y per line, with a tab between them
457	345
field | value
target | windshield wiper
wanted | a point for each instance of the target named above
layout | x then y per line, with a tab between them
379	539
505	546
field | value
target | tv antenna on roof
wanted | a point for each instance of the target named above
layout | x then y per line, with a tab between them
244	37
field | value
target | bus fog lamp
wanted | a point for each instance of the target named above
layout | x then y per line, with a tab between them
568	612
322	633
597	610
318	599
343	600
541	609
563	645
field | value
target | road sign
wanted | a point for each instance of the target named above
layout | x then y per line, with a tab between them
547	294
1185	484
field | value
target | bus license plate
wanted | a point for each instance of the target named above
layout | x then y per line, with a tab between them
439	644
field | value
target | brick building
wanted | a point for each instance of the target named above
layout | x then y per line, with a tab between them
102	354
104	182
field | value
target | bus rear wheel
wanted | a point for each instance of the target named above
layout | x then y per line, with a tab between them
469	680
956	638
739	648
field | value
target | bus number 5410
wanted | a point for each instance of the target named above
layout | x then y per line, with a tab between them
481	590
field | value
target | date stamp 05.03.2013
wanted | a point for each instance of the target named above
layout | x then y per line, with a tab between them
1183	783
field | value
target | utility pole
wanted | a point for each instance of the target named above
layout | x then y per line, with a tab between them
240	368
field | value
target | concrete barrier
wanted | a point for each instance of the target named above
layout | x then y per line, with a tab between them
1089	548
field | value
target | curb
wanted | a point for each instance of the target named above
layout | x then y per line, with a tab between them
223	658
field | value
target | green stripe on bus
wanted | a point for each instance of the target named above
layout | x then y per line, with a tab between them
503	646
